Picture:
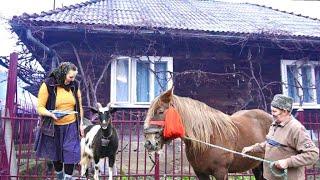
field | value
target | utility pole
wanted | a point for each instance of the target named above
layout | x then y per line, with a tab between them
54	4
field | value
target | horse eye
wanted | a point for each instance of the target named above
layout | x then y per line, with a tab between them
160	111
158	136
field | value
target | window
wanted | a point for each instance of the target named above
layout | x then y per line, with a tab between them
301	81
135	82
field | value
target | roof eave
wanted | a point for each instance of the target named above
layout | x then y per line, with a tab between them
155	31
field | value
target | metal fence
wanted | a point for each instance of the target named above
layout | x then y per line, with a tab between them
132	162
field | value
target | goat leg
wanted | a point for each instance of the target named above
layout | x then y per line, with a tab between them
112	160
96	168
84	170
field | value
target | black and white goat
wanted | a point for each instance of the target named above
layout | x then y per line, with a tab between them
99	141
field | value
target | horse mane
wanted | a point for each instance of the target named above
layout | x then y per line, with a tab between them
202	122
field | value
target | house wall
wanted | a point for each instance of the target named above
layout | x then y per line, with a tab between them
228	77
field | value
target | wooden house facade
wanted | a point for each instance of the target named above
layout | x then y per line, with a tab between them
230	56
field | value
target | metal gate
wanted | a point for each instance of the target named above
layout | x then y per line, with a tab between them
133	161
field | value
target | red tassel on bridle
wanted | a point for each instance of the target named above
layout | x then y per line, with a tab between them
172	124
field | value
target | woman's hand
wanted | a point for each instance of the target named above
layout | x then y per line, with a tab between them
82	127
53	116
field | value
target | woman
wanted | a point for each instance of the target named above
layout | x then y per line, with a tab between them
60	91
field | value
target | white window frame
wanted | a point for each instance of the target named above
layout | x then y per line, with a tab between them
296	105
132	84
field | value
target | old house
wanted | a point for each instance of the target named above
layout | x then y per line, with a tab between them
231	56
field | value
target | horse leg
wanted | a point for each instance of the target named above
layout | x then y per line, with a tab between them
258	172
96	169
202	176
112	159
221	174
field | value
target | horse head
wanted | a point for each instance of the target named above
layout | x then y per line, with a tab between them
154	122
104	114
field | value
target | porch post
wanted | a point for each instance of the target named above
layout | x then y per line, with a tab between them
9	114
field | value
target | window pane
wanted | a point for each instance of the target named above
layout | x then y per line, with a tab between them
143	83
122	80
160	78
292	73
317	77
307	84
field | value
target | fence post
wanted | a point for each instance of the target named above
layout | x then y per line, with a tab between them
157	167
9	112
300	115
4	165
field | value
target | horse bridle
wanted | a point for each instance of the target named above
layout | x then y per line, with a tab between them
156	126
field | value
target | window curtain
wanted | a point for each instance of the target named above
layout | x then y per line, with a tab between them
122	80
307	84
292	73
160	84
317	78
143	82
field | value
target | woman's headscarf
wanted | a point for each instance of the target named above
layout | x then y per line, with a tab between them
60	73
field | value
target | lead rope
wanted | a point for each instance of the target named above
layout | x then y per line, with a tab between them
271	163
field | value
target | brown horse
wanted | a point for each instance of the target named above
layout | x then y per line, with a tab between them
204	123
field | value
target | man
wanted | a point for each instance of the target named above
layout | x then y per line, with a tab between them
288	143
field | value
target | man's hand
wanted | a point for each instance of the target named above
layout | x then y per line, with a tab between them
281	164
245	150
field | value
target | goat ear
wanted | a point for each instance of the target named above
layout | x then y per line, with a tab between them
99	105
94	110
112	110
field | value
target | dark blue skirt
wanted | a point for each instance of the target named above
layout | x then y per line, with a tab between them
64	146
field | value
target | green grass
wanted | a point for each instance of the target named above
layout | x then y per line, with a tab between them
242	177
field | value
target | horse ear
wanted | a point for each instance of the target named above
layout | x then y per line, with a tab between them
167	96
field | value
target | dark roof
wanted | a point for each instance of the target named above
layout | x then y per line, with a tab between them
195	15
